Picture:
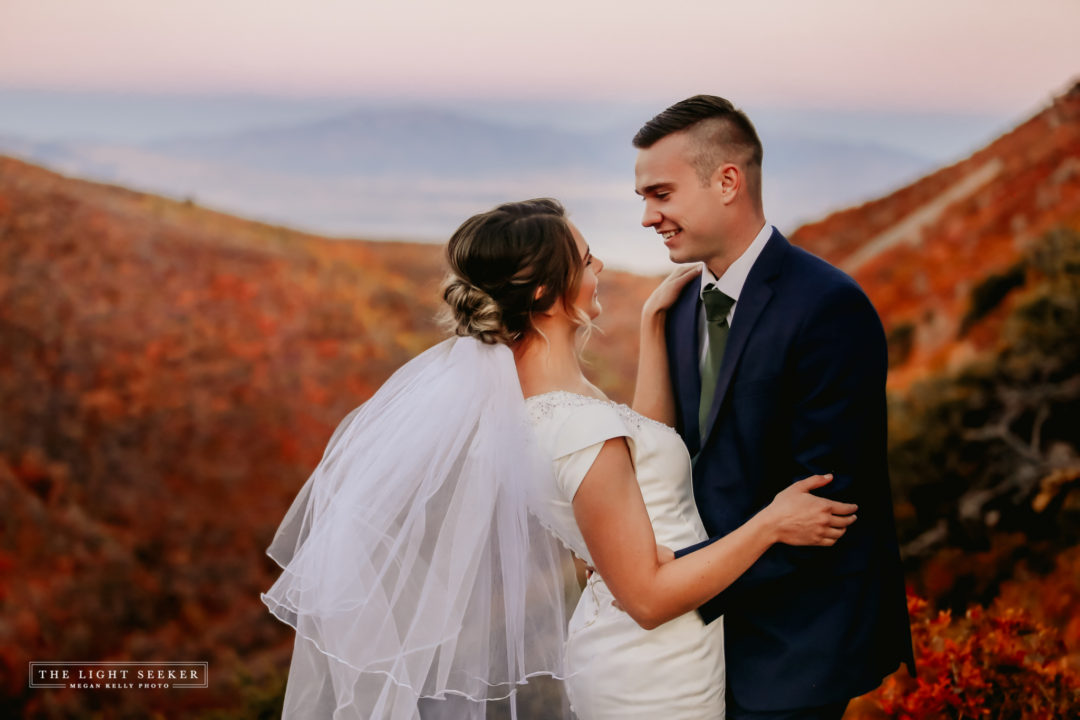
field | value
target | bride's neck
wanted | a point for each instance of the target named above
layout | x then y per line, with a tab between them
550	361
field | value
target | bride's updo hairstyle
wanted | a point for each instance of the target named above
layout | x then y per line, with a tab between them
508	263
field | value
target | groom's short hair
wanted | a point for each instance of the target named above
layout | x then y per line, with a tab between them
720	132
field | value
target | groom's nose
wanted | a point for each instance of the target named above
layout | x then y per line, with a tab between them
651	217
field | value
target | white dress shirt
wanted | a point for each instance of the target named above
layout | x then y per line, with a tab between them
731	284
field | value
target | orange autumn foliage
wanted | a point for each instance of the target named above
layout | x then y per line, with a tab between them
1000	663
918	251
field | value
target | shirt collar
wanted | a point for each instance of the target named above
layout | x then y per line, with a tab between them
732	281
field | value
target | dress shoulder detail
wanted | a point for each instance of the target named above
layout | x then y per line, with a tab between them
545	405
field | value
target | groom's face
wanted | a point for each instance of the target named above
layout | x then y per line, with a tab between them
687	213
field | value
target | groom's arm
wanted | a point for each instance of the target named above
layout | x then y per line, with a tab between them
841	418
838	425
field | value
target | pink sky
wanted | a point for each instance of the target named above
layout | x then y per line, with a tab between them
951	55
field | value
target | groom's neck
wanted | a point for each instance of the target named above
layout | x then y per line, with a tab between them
733	244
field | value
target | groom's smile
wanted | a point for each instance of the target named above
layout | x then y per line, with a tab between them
669	236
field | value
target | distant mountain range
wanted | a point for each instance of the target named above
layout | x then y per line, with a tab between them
407	144
417	173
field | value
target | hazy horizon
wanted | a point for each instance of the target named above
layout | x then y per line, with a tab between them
93	89
47	115
816	161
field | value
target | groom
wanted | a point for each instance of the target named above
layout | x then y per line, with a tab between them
778	362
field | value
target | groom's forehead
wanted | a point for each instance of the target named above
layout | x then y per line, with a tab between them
663	161
653	173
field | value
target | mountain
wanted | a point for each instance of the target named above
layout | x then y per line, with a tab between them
417	172
975	271
407	142
939	256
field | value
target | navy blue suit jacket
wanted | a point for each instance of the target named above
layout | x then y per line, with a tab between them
801	392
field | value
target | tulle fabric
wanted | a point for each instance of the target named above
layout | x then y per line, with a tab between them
413	568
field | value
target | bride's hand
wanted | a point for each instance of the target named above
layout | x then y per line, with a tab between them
804	519
665	295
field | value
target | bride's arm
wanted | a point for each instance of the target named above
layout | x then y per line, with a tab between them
615	524
653	396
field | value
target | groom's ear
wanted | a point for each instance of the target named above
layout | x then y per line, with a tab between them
728	179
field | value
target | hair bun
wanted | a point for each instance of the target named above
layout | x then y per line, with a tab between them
473	313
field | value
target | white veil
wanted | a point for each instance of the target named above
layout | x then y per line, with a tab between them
412	566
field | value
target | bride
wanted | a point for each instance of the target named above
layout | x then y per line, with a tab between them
421	560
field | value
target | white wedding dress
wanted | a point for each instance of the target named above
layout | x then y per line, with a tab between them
616	668
421	569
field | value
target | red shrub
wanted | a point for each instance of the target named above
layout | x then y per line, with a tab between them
989	664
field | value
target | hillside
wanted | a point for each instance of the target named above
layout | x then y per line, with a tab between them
169	378
975	271
925	253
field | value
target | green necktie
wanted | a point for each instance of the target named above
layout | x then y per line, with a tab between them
717	306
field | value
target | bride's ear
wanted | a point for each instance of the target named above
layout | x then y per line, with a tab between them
539	293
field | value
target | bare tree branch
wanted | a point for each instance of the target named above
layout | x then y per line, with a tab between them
1036	430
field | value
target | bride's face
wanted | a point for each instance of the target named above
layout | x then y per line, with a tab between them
587	299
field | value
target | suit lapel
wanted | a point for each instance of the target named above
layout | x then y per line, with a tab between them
755	295
684	361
